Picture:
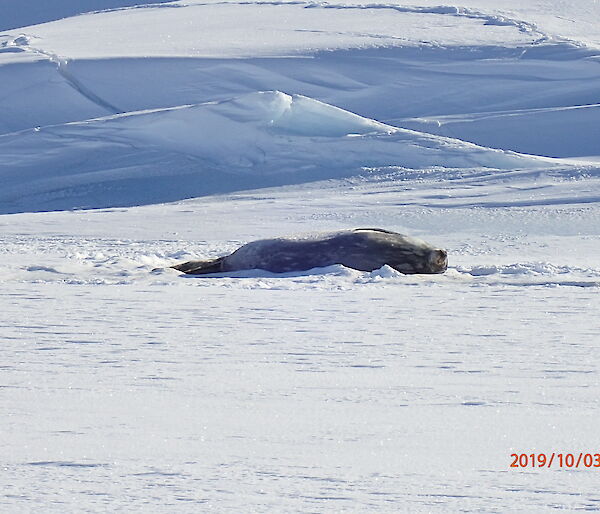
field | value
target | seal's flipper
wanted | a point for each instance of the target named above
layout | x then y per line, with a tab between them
200	267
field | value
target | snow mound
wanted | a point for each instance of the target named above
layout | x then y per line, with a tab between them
256	140
268	29
528	268
535	274
299	115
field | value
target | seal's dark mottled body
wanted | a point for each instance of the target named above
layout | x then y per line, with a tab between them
361	249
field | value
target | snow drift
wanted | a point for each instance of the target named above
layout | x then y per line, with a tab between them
260	139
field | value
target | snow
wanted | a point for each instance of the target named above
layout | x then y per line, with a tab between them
276	29
134	137
260	138
381	390
19	13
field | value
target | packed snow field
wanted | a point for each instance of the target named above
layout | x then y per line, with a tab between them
137	135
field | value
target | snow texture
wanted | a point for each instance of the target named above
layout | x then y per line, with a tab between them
138	135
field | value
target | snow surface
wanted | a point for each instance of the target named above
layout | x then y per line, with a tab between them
134	137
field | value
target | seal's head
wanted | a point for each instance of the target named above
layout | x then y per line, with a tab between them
421	260
438	261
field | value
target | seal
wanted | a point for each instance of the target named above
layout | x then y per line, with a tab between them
364	249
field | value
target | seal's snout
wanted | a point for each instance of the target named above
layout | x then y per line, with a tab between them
439	261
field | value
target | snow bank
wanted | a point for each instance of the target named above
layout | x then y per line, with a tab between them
268	29
264	138
387	62
534	131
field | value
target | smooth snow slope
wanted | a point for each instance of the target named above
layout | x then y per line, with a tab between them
259	139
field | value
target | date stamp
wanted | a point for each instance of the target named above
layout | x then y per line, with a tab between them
555	460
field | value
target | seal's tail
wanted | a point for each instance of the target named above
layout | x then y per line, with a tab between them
200	267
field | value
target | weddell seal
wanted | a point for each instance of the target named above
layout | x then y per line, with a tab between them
364	249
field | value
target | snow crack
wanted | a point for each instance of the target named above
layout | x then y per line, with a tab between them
23	42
